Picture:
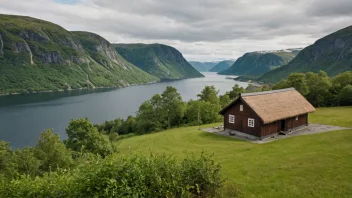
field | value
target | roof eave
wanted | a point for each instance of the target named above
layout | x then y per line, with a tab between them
268	122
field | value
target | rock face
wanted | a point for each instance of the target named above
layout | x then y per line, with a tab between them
162	61
332	54
37	55
257	63
222	66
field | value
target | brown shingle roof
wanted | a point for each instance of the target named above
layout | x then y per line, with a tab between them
275	105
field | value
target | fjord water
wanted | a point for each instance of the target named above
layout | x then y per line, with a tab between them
23	117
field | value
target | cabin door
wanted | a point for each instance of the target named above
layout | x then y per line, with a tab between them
283	123
240	126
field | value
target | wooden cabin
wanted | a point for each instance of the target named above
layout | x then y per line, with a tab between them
264	114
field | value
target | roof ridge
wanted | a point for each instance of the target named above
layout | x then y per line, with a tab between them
268	92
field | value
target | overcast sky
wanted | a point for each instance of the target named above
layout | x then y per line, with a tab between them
203	30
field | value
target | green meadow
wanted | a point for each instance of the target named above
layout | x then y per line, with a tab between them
318	165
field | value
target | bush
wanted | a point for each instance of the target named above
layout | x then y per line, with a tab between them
84	137
132	176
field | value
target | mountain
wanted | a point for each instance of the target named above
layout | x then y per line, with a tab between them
332	54
37	55
221	66
159	60
202	66
257	63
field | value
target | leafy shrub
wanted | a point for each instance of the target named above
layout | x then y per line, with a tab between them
84	137
133	176
203	174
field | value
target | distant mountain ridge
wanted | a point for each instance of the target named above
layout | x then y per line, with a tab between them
257	63
332	54
37	55
203	66
222	65
159	60
290	50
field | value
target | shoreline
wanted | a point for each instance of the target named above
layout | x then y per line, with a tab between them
93	88
238	78
68	90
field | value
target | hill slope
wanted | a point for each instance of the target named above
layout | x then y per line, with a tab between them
162	61
332	54
202	66
319	161
37	55
257	63
221	66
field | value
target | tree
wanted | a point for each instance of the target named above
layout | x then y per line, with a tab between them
235	92
340	81
84	137
224	100
266	87
173	105
209	94
147	118
26	162
282	84
7	156
128	126
318	89
298	81
345	96
201	112
193	112
52	152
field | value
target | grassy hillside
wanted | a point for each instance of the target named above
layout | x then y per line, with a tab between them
256	63
202	66
316	165
331	54
221	66
37	55
162	61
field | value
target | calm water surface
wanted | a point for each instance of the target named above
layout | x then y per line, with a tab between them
22	118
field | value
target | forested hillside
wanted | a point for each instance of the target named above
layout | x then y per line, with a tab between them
257	63
37	55
221	66
332	54
202	66
159	60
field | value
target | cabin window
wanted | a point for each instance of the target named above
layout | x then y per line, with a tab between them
231	119
241	107
250	122
297	118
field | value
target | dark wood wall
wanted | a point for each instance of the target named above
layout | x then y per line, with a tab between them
259	129
241	119
293	123
270	128
290	123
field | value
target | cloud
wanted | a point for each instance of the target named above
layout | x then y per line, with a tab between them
200	29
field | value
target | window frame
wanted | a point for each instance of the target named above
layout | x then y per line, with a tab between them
251	122
231	121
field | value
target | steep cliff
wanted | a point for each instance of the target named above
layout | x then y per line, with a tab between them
257	63
332	54
159	60
37	55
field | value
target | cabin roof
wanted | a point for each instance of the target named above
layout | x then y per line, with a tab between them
271	106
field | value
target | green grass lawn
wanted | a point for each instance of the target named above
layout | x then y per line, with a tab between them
338	116
318	165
